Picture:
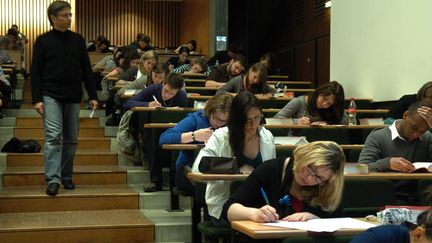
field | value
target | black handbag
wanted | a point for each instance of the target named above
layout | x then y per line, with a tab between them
218	165
15	145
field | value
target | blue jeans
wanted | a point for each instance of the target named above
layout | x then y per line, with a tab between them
61	126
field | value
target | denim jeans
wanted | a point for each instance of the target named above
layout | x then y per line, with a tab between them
61	126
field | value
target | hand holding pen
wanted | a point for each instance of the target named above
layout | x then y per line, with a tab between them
266	213
154	103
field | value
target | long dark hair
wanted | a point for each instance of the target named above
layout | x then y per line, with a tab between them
240	105
158	68
334	113
261	87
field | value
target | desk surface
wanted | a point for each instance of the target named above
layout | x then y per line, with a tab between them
370	176
278	146
259	231
170	124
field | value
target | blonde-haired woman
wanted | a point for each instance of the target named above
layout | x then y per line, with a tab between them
305	186
144	67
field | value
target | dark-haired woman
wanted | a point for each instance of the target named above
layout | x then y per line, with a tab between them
181	59
323	106
254	81
243	138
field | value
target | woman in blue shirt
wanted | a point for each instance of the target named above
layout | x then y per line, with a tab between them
196	128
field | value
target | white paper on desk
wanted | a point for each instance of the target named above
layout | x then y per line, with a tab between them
290	140
324	225
131	91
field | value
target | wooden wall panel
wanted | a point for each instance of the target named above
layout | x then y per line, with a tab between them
121	21
194	17
31	18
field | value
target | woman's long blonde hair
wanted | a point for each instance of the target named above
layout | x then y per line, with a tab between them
146	56
328	155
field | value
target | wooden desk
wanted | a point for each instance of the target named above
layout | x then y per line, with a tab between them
170	124
278	146
258	231
194	75
370	176
95	57
16	58
278	77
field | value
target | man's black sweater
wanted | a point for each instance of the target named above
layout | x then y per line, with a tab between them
60	63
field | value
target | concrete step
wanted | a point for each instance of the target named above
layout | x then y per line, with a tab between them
85	122
83	175
158	200
84	197
84	144
76	226
28	112
89	158
7	122
170	226
38	132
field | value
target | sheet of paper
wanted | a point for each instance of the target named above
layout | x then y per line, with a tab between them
130	91
324	225
290	140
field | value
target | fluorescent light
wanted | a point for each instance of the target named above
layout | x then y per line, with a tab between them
328	4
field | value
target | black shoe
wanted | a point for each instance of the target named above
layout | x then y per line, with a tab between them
52	189
68	184
153	188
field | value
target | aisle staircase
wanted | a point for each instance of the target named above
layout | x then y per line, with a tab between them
108	204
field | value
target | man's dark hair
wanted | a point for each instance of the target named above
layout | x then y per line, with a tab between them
412	109
241	59
194	44
145	39
184	49
105	42
138	37
55	7
175	80
12	32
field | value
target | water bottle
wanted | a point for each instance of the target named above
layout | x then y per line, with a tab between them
166	50
352	113
217	63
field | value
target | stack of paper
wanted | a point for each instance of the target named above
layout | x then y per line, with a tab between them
324	225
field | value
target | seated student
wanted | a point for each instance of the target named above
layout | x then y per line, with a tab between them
192	45
22	39
197	65
404	233
122	60
309	184
100	45
222	57
269	61
5	90
142	43
243	138
223	73
146	63
396	147
168	94
397	110
156	76
181	59
254	81
196	128
323	106
10	41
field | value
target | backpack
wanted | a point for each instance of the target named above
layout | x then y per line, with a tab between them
128	143
15	145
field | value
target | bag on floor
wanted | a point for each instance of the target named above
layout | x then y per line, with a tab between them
15	145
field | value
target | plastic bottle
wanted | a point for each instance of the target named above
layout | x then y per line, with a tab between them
166	50
352	113
217	63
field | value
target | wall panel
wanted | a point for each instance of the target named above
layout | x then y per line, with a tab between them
120	21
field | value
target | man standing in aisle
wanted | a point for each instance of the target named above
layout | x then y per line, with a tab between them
60	64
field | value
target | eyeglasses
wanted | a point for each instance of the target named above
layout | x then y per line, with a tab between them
255	119
312	172
220	121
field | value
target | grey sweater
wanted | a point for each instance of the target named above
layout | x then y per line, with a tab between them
379	148
296	108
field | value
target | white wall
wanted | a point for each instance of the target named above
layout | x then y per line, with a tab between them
381	49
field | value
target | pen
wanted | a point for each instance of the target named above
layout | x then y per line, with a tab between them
154	97
265	196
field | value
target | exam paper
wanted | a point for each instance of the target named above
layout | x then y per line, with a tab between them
324	225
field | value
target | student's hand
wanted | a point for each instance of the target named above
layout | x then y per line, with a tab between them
303	216
304	121
154	104
401	164
170	67
40	108
203	134
121	82
426	113
94	104
264	214
246	169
